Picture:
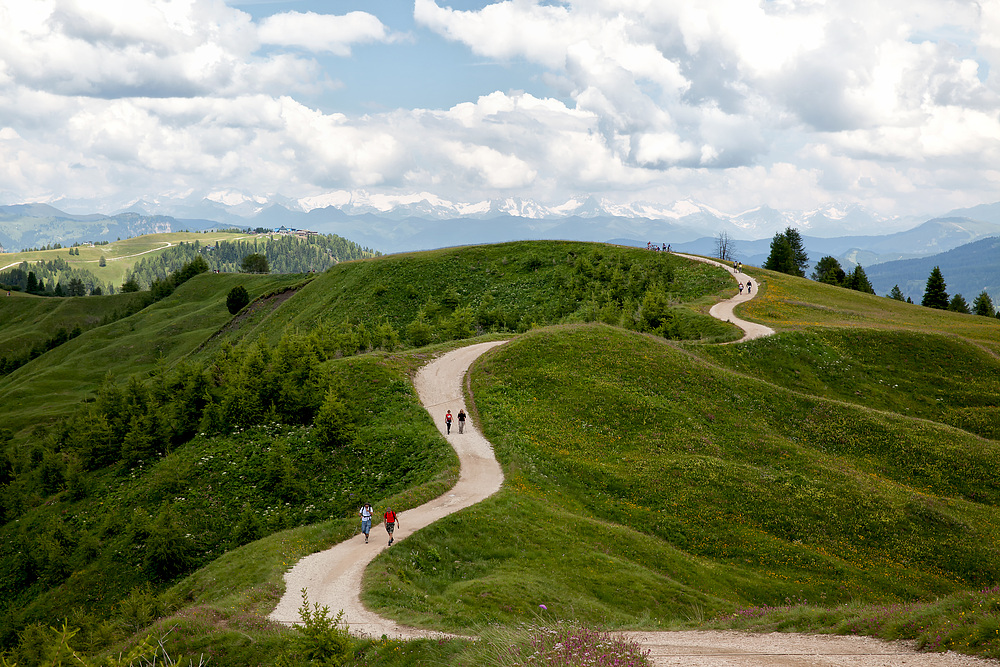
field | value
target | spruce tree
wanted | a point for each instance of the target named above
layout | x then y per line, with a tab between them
829	271
859	281
788	254
935	294
958	304
897	293
983	305
800	260
780	257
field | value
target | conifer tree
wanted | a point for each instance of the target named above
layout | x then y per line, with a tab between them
897	293
829	271
788	254
859	281
935	294
958	304
983	305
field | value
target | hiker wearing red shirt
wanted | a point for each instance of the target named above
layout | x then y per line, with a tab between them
390	523
447	421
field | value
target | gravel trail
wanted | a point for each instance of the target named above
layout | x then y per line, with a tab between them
333	577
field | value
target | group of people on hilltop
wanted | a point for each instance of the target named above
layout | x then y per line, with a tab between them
390	517
652	246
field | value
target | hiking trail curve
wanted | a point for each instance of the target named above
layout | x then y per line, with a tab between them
333	577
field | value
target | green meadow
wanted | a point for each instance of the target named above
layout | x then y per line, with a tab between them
119	256
836	477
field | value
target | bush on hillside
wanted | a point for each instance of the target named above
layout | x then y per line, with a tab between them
255	263
237	299
333	426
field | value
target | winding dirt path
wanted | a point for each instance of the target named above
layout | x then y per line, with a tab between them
333	577
724	309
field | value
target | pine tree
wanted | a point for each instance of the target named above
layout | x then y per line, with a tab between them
799	257
788	254
983	305
896	293
829	271
780	257
859	281
958	304
935	294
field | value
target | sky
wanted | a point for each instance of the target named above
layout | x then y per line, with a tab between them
735	103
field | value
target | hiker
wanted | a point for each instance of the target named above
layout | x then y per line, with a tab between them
461	421
741	287
447	421
748	286
366	520
391	521
668	247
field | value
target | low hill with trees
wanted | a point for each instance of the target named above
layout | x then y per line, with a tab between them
161	472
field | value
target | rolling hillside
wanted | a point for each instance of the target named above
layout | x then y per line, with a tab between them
165	470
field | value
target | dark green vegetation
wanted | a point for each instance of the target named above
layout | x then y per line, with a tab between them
829	271
699	488
46	274
788	254
261	254
450	294
650	483
169	446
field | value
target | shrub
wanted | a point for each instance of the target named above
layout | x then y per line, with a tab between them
237	299
333	424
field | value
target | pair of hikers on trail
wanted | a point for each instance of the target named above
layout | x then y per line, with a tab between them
461	421
391	521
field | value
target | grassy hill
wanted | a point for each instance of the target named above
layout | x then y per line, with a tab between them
120	255
651	481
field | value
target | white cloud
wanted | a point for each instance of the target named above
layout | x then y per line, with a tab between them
323	32
788	102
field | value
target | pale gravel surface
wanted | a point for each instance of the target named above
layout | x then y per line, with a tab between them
333	577
724	309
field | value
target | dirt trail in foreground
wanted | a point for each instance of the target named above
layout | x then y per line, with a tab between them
333	577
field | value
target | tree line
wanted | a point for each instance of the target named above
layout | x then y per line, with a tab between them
53	278
788	255
283	254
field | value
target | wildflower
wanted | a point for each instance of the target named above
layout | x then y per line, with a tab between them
542	607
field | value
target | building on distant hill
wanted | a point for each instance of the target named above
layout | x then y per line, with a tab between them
291	231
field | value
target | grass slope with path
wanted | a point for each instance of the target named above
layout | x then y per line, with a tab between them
628	460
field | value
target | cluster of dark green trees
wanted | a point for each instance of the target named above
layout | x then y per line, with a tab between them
598	287
788	255
129	426
278	254
936	296
53	278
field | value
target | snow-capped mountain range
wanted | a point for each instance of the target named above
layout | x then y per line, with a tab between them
238	208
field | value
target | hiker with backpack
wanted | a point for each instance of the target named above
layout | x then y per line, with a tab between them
391	521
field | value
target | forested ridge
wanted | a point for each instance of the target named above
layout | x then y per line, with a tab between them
285	254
